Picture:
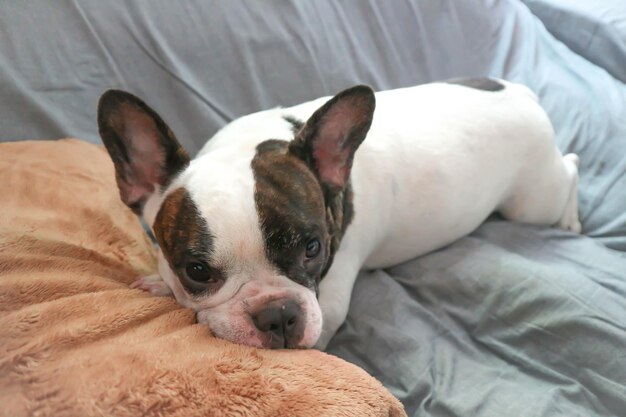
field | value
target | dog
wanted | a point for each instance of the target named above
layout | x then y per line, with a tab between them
264	232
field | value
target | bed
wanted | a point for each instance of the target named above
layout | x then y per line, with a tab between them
511	320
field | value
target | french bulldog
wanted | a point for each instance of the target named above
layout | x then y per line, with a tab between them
263	233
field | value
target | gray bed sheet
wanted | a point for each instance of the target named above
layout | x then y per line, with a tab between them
595	30
510	321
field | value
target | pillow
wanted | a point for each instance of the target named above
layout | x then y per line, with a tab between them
77	341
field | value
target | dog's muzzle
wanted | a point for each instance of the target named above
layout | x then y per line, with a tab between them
281	322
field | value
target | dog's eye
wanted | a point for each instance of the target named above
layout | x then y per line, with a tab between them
313	248
200	278
199	272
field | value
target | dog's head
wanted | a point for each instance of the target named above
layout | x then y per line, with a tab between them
245	233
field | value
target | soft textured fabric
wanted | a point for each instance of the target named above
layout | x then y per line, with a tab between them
76	341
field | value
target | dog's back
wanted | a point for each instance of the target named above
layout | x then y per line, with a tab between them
438	159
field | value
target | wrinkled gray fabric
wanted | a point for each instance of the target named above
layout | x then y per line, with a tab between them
595	30
513	320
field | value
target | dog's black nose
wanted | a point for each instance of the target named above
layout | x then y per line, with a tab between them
280	321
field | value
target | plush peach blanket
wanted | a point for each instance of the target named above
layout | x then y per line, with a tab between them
76	341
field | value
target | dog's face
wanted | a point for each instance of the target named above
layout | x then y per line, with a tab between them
245	235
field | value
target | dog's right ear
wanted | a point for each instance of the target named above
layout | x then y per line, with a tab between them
329	139
144	150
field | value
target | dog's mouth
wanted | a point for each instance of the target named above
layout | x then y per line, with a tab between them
274	327
255	338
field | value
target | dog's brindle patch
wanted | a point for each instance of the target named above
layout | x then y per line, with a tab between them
183	236
484	84
292	210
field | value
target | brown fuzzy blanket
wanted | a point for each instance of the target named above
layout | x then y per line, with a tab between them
76	341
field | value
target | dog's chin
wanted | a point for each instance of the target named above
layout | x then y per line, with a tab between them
243	332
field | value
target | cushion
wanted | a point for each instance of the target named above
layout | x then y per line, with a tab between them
76	340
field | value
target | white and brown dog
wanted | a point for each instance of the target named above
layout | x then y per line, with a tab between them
264	232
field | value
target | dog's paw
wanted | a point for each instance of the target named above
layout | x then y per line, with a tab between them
573	226
152	284
569	219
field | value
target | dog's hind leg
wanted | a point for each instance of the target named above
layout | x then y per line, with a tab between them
548	195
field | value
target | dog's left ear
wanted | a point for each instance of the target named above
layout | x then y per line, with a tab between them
331	136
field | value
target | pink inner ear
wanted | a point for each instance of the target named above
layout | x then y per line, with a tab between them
331	152
331	163
145	152
131	194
